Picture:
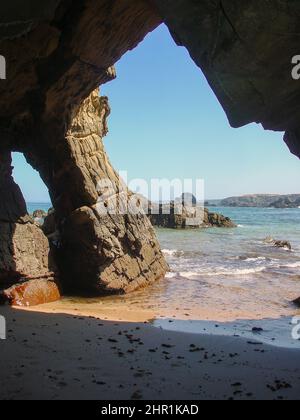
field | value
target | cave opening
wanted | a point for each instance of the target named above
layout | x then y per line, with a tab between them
34	190
168	123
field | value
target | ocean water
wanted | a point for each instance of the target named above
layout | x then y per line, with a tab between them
215	266
231	276
239	259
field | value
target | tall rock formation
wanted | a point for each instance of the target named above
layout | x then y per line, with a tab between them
25	256
99	253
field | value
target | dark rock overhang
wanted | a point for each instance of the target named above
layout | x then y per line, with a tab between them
59	51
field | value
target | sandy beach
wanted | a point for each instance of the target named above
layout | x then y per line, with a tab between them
73	357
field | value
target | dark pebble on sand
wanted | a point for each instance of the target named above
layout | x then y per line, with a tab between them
257	330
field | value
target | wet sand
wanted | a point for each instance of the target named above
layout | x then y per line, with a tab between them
77	357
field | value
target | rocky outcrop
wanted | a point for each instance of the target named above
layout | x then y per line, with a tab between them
24	250
217	220
182	216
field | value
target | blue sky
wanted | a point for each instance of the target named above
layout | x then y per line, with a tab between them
167	123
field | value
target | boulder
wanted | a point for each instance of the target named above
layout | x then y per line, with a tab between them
178	216
31	293
217	220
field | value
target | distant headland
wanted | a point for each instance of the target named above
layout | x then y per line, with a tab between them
263	200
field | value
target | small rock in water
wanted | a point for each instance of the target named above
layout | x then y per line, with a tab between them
278	244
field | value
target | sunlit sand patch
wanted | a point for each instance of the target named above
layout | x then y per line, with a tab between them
86	308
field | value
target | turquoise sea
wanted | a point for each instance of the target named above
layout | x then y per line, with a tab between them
226	276
234	278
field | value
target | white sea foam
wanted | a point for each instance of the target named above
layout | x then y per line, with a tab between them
290	265
254	259
171	275
237	272
222	272
169	252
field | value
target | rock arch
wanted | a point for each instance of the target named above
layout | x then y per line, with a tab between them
58	54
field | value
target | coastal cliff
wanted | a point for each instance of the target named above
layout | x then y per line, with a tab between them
263	200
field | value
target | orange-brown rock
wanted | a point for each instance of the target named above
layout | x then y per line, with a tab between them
31	293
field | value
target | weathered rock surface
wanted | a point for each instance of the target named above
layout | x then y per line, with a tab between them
98	253
24	249
217	220
176	216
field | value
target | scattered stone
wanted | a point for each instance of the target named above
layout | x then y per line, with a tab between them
257	330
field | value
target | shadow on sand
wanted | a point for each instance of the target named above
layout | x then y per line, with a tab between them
72	357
